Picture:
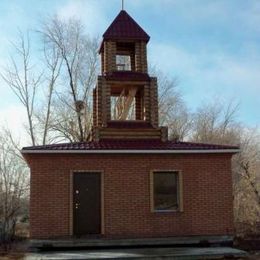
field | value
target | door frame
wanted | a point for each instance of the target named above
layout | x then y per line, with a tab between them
102	204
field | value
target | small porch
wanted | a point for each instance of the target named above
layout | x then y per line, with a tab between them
183	241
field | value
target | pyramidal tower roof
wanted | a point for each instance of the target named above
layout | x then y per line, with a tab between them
124	27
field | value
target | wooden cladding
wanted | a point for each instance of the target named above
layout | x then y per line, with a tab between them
146	109
141	57
154	102
109	56
137	51
145	101
113	133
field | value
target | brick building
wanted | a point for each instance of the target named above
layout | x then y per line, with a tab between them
129	180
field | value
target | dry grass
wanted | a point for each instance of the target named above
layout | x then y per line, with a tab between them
12	256
22	230
17	249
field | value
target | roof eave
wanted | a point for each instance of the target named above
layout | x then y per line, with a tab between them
198	151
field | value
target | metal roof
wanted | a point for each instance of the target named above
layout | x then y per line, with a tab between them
130	146
124	27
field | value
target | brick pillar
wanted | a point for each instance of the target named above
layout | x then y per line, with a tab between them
104	103
154	102
132	57
109	56
147	107
138	107
138	57
99	102
164	134
96	134
113	57
143	57
94	108
108	102
102	62
106	57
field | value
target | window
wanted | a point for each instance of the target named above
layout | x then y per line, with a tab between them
123	62
166	191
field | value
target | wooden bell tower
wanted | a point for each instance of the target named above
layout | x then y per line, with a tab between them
125	100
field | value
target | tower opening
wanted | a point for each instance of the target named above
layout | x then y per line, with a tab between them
125	56
127	104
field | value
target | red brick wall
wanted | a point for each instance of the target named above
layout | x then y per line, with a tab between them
207	194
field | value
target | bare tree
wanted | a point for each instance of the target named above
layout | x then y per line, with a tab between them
65	75
216	123
246	173
53	63
13	185
20	77
173	111
79	68
25	81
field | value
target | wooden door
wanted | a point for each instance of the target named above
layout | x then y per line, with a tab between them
86	203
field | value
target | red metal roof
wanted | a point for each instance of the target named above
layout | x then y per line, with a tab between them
124	27
131	145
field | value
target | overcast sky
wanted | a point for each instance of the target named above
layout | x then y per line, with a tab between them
211	46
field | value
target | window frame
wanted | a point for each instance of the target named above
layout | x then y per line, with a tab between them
124	65
179	191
